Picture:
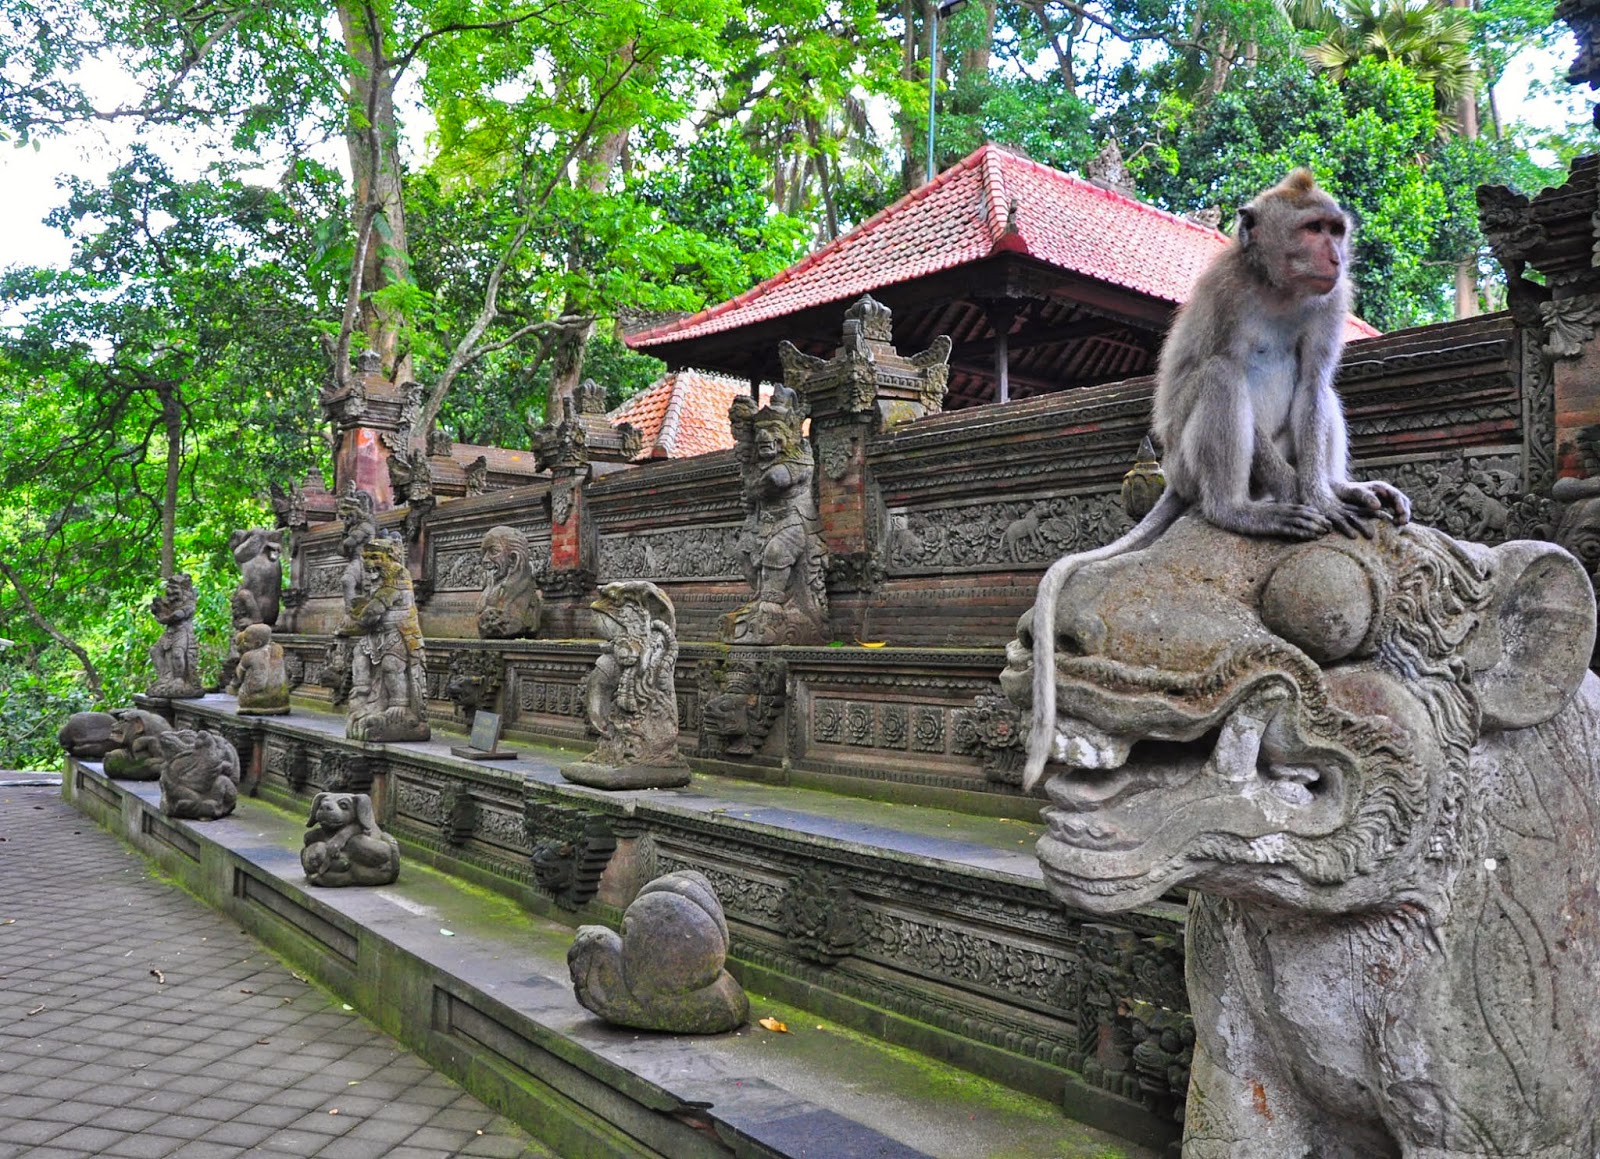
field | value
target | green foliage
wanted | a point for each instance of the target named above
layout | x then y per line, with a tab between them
191	289
1373	141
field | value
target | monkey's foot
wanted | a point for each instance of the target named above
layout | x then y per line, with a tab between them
1267	517
1376	498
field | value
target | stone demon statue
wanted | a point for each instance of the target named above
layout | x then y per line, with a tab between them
632	693
388	681
1377	761
781	547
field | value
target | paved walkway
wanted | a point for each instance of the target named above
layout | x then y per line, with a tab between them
136	1022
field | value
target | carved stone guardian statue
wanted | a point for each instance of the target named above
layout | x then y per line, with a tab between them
387	678
511	602
262	680
175	655
199	772
344	845
665	971
784	558
1377	761
88	735
631	698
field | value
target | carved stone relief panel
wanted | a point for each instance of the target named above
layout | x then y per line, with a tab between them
1006	534
920	728
1476	497
693	552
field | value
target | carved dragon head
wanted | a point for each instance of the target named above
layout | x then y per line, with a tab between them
1289	723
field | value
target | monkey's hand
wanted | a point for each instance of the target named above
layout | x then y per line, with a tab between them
1375	500
1267	517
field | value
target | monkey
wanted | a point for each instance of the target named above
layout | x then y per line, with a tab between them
1245	409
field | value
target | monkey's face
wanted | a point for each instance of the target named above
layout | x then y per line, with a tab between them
1299	240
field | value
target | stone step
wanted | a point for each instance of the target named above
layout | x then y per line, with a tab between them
480	988
924	928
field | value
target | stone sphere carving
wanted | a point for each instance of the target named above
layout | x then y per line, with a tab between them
665	970
1378	763
344	845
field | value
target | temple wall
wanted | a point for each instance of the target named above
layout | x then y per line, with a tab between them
964	512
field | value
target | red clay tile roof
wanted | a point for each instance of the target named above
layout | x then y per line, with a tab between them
993	201
684	414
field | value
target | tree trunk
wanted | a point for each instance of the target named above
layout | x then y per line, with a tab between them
1467	268
172	420
909	167
372	136
975	61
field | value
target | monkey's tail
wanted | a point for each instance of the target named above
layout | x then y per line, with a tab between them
1042	733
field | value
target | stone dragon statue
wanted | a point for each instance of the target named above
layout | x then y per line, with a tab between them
1377	764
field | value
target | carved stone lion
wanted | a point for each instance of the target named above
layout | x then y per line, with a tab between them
1378	763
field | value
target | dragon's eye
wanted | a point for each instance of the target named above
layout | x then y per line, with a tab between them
1322	601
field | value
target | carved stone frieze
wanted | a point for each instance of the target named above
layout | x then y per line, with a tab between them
855	571
474	681
992	728
339	771
458	812
459	571
1478	497
738	702
683	553
1538	419
327	580
821	918
1135	1034
1002	534
418	802
549	697
571	848
866	724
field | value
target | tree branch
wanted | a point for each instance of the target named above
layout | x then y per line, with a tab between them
90	672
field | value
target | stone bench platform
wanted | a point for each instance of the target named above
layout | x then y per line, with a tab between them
922	928
490	1003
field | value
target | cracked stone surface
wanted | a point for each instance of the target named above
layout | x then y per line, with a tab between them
135	1022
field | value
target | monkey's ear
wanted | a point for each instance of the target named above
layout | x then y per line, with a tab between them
1247	225
316	803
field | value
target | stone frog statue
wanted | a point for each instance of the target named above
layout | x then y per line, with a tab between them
199	772
344	845
1377	761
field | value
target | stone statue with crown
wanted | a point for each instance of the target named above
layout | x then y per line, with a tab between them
781	548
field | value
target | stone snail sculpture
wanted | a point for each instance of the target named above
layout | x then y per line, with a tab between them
665	970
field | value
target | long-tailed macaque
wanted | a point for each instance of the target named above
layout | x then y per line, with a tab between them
1252	431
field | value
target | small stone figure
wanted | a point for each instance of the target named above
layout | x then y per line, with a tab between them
262	682
125	761
388	681
88	735
631	699
511	601
665	971
344	845
784	557
199	773
174	654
